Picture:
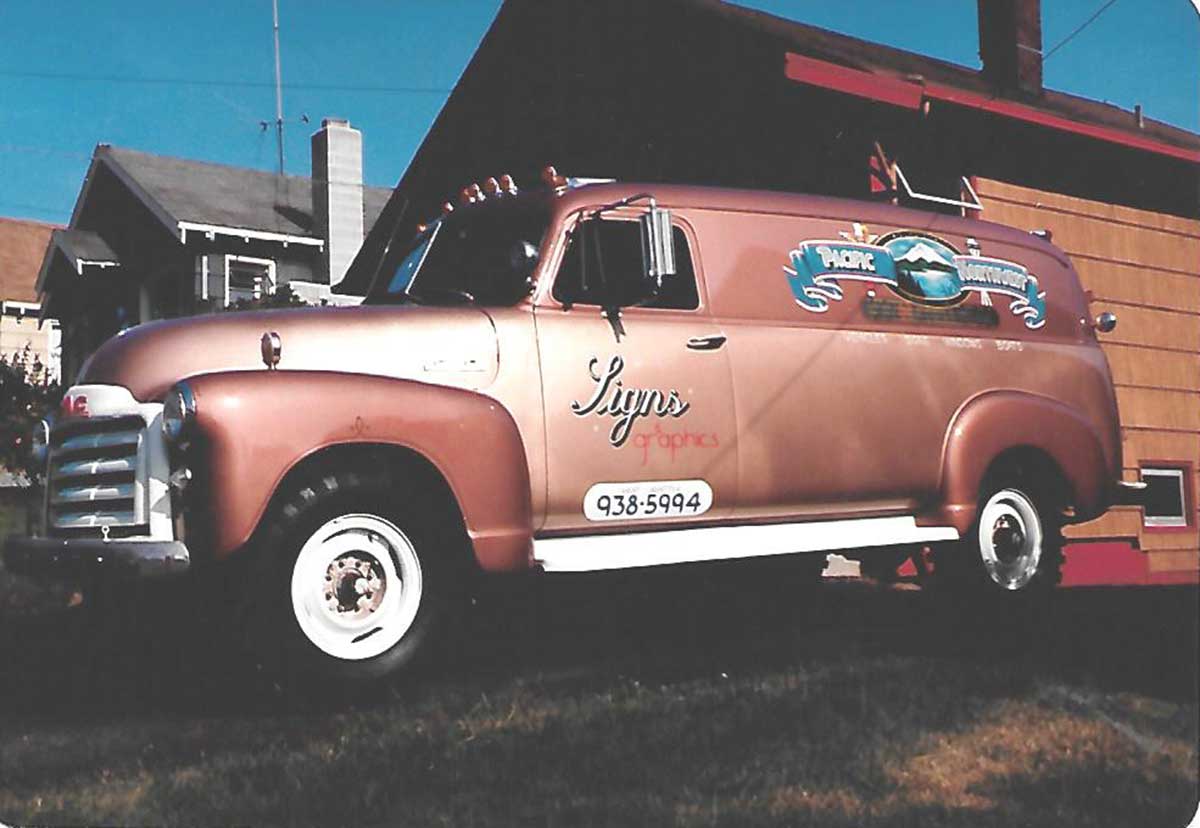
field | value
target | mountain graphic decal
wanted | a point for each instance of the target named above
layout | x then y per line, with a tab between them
925	269
922	254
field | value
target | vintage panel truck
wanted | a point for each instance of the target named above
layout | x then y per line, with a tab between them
586	376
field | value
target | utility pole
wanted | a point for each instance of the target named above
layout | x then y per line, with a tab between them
278	87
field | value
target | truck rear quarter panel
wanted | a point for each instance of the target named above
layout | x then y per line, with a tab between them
258	425
850	408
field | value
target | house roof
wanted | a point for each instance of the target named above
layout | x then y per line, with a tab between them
84	247
199	192
892	63
752	40
22	246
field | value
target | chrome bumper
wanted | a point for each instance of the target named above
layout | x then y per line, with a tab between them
1127	493
86	559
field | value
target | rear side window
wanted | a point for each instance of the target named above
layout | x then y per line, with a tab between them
613	272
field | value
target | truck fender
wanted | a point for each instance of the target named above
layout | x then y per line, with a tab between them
995	422
255	426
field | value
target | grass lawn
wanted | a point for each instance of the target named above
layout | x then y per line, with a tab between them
622	701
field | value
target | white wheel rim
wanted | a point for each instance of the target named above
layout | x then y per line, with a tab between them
1010	539
356	587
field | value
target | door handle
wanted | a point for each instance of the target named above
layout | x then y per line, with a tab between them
706	343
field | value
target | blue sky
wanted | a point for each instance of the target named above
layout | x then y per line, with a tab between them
393	63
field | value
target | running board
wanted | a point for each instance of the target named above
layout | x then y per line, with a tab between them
592	553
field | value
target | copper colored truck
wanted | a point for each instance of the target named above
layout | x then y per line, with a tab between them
590	376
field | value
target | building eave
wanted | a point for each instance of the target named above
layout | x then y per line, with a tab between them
913	94
244	233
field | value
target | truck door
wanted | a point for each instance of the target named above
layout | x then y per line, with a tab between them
640	425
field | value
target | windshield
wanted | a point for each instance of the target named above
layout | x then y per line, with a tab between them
482	254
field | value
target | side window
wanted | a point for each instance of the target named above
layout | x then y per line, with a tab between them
613	271
247	279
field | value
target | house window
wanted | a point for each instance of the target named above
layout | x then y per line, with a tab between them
1166	497
247	279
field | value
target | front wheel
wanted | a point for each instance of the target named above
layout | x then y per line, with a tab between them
351	579
356	587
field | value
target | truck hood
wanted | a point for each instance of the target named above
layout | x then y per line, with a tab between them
442	345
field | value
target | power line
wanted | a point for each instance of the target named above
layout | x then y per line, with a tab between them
44	151
1083	26
35	208
244	84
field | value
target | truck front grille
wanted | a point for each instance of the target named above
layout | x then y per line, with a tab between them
94	476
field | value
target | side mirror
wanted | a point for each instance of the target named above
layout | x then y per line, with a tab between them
523	259
658	244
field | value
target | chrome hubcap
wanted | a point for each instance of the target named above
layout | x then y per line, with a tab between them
356	586
1010	538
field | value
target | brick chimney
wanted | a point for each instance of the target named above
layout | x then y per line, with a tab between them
1010	44
337	195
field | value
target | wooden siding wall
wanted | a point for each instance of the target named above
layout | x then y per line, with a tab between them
1144	267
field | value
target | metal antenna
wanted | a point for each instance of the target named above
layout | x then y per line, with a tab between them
278	86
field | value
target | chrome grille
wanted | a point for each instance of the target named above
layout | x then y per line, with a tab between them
94	475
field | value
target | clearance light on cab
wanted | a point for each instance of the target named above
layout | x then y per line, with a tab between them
179	410
552	179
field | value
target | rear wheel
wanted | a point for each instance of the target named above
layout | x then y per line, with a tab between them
1015	545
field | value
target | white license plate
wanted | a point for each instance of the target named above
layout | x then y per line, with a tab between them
647	501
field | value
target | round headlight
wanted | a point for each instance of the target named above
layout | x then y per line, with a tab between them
39	444
179	409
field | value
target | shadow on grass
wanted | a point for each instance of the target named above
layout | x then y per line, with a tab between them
701	696
657	625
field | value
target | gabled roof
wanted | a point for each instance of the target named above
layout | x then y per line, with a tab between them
197	192
22	246
80	249
750	49
84	247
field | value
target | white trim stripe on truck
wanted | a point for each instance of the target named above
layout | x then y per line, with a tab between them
637	549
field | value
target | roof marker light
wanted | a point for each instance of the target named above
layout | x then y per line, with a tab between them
551	178
491	188
447	208
508	185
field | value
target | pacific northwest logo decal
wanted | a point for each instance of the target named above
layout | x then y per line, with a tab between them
917	266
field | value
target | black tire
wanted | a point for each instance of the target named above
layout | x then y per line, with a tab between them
995	560
303	513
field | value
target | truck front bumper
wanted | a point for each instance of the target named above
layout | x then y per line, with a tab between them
86	559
